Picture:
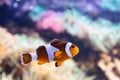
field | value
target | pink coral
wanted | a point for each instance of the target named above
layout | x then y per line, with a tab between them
51	20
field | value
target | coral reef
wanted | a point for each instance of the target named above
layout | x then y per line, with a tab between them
73	22
112	5
6	42
94	25
110	64
10	67
50	18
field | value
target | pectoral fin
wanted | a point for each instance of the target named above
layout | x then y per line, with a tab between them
55	41
58	55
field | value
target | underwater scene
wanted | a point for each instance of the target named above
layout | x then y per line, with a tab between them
89	30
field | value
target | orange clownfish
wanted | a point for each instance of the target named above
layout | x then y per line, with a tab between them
56	50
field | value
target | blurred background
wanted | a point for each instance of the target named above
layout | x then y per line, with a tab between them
93	25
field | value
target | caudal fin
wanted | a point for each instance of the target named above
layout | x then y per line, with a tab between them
25	58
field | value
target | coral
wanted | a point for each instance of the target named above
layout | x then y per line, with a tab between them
11	68
37	12
50	20
90	23
112	5
25	42
69	68
101	33
6	42
110	68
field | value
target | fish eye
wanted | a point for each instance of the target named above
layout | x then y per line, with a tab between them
73	46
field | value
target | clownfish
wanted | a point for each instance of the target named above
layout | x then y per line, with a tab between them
56	50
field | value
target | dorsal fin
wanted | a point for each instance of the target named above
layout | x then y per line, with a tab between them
55	41
59	44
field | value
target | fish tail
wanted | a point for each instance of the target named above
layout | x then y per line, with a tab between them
25	58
